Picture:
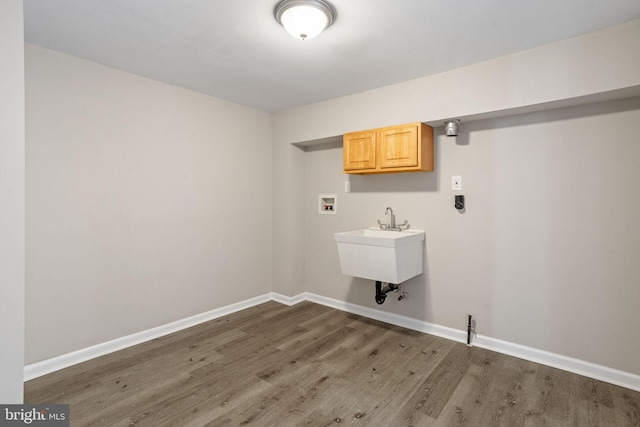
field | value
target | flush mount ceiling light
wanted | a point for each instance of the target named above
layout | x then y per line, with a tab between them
304	19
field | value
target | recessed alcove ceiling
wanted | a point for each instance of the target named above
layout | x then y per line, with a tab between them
236	51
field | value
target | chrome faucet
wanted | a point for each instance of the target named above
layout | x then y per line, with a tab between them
393	218
392	226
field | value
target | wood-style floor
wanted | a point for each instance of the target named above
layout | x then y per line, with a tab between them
309	365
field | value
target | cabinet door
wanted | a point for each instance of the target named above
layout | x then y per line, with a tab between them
359	151
398	146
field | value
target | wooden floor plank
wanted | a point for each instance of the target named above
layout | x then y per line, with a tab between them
310	365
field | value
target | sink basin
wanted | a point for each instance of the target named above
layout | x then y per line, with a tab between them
381	255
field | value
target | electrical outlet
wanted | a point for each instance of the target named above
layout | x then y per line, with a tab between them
456	183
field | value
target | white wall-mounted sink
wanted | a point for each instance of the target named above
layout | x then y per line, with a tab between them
381	255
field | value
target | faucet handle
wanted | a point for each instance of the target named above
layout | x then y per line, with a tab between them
382	226
405	225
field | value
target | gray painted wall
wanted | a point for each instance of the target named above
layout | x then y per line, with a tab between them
131	184
560	72
12	193
546	253
519	248
146	203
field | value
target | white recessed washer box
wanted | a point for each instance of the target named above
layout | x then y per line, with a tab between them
327	204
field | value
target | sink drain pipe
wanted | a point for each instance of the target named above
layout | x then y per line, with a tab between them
381	291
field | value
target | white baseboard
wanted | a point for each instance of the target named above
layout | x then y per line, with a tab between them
587	369
565	363
44	367
576	366
283	299
391	318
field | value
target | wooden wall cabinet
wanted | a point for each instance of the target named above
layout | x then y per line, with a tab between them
403	148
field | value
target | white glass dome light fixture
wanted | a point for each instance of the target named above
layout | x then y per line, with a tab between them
304	19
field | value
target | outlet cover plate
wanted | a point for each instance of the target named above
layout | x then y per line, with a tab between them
456	183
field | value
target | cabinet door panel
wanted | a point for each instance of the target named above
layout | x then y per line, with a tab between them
399	147
359	151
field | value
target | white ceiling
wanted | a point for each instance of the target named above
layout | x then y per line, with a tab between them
235	50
